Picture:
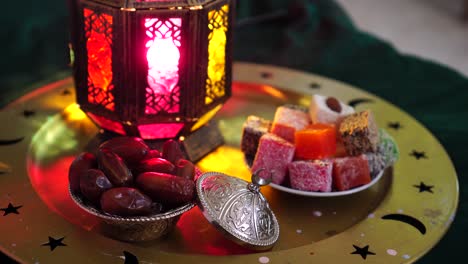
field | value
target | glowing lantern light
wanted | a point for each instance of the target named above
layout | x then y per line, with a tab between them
152	68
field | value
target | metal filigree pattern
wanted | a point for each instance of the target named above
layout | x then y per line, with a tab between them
163	54
98	30
219	190
134	228
216	81
243	213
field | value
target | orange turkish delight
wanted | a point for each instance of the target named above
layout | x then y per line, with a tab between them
316	141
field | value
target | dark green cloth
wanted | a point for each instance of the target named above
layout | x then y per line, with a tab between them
314	36
34	44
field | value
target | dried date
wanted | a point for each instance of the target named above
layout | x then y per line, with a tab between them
126	201
130	149
114	168
83	162
166	188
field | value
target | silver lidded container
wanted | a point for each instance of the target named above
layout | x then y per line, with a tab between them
238	209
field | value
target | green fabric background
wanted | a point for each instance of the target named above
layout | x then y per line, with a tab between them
315	36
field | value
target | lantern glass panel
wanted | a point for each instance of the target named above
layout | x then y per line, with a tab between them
163	42
166	130
107	123
216	80
98	30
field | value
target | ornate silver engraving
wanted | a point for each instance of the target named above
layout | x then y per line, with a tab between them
238	208
135	228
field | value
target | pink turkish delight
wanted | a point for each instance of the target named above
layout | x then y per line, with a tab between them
313	176
287	120
273	155
350	172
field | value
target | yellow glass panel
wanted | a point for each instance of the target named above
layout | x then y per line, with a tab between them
216	81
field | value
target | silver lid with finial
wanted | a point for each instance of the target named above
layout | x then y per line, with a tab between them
238	209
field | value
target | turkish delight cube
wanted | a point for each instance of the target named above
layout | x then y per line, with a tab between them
273	155
253	128
359	133
350	172
313	176
387	153
328	110
287	120
376	163
388	148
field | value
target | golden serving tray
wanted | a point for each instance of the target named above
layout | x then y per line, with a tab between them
395	221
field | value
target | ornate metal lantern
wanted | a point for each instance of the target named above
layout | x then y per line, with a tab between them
152	68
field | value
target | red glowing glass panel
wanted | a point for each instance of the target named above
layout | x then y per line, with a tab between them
154	131
98	30
163	41
107	123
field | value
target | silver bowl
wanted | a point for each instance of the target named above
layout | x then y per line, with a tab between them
135	228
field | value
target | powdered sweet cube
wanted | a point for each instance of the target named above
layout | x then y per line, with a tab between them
313	176
350	172
254	127
359	133
388	148
376	163
387	153
273	154
328	110
287	120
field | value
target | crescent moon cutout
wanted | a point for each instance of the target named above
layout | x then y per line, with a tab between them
10	141
407	219
357	101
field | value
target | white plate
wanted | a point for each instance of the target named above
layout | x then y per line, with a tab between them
328	194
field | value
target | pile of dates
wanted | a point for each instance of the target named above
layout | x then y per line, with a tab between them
127	178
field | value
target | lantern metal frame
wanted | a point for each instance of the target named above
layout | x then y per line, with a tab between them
130	67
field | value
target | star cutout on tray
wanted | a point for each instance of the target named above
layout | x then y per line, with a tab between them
53	243
424	188
362	251
130	258
418	154
394	125
11	209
